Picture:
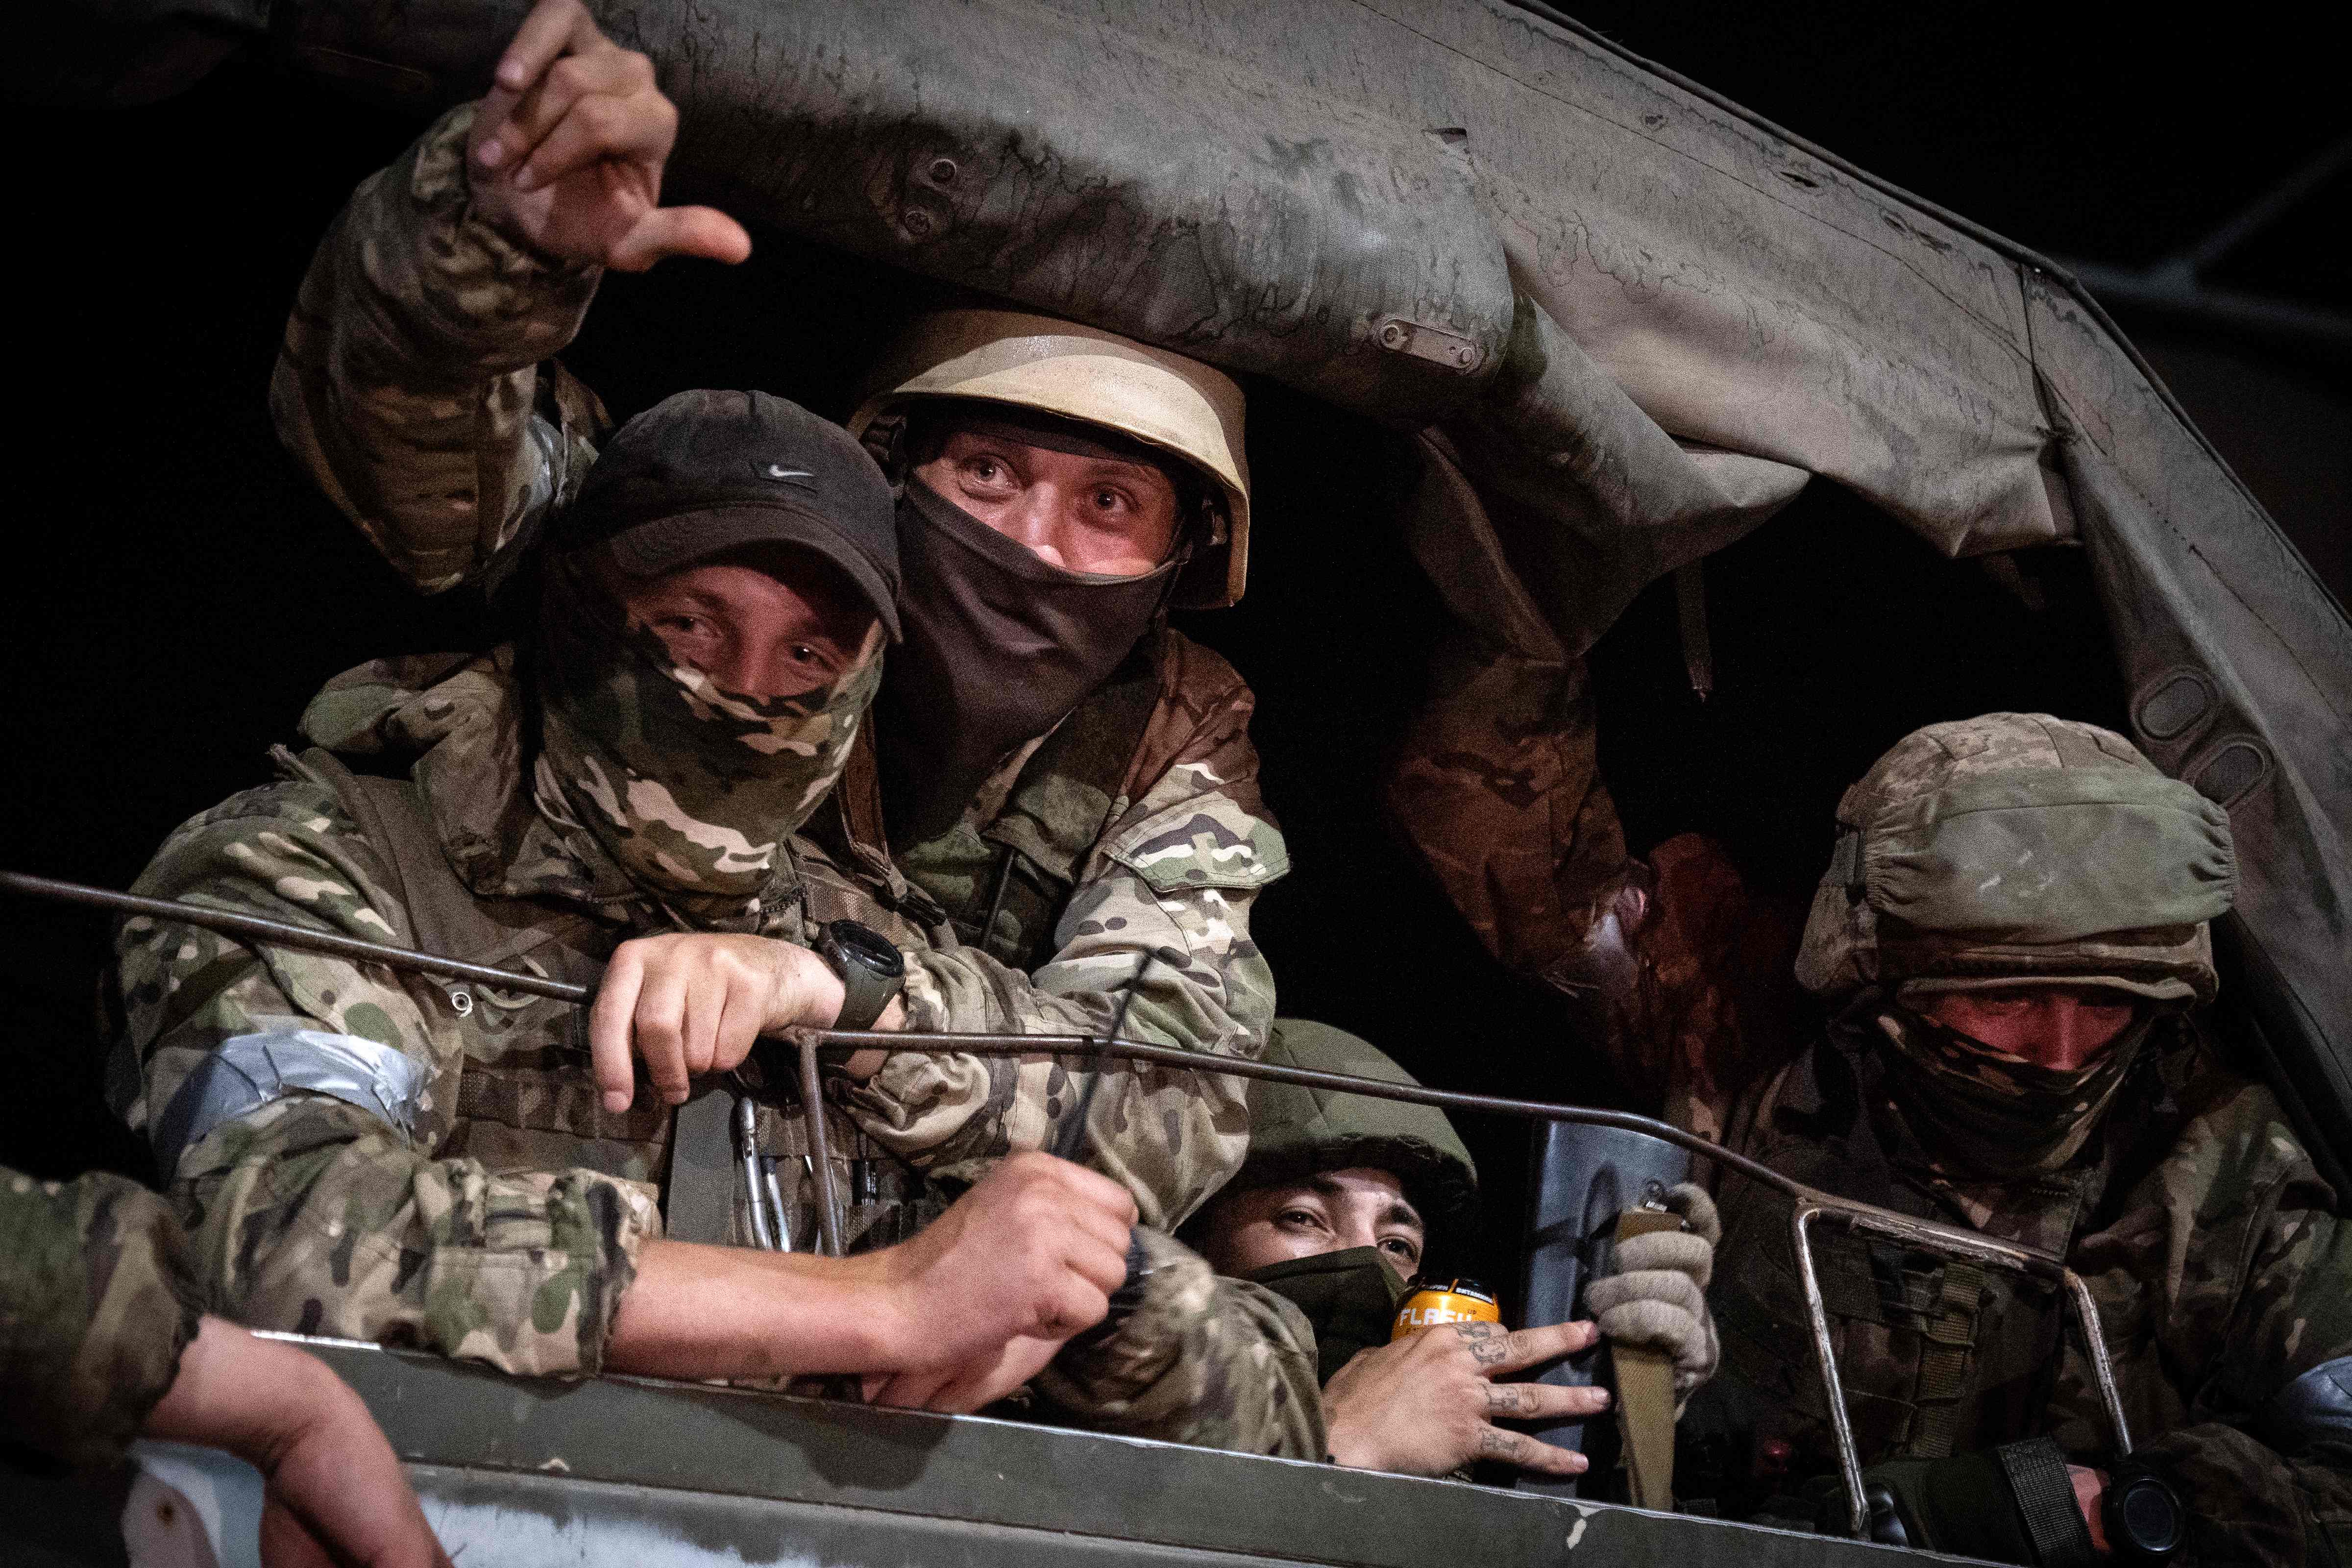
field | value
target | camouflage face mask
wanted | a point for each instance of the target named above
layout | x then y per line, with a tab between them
691	789
1998	1113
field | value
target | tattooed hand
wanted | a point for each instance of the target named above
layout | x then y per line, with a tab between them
1427	1406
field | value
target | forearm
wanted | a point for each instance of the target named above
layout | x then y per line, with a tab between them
697	1311
310	1215
242	1394
407	383
1211	1361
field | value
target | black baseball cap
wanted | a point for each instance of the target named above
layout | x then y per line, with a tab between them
703	472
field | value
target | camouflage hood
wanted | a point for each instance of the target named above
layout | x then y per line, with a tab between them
692	790
1296	1131
2020	848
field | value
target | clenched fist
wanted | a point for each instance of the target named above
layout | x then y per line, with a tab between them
1023	1260
694	1003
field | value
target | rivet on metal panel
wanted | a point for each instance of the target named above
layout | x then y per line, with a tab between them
943	171
1434	344
917	224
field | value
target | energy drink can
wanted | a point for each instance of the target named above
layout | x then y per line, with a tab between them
1455	1301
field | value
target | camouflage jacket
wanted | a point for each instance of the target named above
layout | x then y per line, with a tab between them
2204	1232
503	1221
2211	1244
416	385
1201	1358
97	1301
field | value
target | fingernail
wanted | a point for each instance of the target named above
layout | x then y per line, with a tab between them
675	1096
616	1100
526	181
511	76
490	152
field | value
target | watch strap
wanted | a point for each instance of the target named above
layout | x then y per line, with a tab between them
866	994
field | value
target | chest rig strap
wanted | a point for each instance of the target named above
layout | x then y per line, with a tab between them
1003	886
1952	1334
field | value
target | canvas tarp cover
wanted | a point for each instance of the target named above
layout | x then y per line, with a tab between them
1629	320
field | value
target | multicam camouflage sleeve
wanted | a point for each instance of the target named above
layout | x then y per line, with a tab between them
1675	974
309	1213
1162	906
412	385
1201	1358
2238	1285
410	382
96	1304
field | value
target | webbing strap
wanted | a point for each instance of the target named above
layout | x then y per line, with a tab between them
1646	1394
1951	1335
2038	1478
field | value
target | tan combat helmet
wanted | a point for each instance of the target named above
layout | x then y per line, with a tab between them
1164	400
2016	848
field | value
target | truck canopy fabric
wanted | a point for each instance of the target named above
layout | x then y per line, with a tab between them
1627	320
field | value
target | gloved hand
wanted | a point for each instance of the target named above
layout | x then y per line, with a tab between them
1658	1297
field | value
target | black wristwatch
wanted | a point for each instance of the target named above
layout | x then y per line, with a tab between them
2144	1520
872	970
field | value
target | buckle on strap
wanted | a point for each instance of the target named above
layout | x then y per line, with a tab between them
251	1071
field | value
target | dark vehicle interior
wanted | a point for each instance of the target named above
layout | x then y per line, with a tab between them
186	590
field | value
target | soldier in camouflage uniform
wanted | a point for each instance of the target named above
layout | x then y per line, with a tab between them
2011	875
2012	934
102	1340
390	1157
1057	784
1303	1261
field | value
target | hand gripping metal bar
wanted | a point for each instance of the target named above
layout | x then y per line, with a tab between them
1809	1203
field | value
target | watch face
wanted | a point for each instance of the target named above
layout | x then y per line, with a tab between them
2147	1514
866	947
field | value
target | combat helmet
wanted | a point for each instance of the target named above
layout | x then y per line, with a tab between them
1296	1131
1164	401
2017	848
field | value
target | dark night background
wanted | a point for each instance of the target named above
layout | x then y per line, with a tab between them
179	590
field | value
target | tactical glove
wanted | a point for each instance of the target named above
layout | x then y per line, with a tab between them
1657	1296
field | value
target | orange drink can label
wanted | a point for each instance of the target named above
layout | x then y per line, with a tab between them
1457	1301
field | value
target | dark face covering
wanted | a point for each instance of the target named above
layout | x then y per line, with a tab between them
1998	1115
1350	1297
1000	647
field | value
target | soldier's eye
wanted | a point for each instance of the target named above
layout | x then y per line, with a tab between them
1403	1248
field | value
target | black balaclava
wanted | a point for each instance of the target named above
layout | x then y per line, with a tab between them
1351	1297
1000	647
1997	1113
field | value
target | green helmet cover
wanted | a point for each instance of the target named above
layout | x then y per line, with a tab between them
2020	848
1296	1131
